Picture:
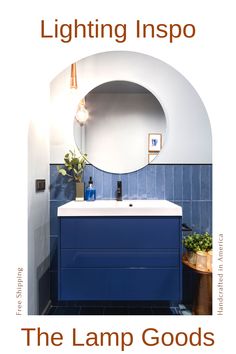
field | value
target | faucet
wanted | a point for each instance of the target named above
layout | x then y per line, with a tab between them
119	191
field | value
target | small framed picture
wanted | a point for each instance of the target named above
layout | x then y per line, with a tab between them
154	142
151	157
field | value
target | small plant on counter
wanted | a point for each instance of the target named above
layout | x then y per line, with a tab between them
198	242
74	166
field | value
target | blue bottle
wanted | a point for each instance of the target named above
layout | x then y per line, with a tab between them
90	193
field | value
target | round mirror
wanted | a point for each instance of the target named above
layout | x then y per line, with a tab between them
126	127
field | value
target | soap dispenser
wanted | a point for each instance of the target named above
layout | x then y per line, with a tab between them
90	193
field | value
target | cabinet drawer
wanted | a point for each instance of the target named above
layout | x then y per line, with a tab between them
120	232
118	259
120	284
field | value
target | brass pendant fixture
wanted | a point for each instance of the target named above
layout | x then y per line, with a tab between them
81	114
73	77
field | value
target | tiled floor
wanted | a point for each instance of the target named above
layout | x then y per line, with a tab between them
105	309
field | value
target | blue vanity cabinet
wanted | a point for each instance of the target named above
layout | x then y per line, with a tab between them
120	258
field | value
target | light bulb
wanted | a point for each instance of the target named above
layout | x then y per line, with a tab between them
81	114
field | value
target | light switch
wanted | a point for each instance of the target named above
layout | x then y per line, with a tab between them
40	185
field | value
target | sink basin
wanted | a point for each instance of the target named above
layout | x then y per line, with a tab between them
121	208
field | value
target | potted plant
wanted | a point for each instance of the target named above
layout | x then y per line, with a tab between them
74	168
197	243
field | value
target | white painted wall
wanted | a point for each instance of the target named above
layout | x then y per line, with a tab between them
188	135
38	216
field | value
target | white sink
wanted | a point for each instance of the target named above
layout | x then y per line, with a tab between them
122	208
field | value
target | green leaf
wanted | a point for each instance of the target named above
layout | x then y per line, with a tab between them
62	172
75	161
74	166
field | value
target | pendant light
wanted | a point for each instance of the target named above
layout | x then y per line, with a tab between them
82	113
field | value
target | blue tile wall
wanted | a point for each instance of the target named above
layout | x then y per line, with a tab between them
189	186
196	182
160	185
187	182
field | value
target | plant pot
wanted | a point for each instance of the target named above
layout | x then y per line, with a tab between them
209	261
79	191
191	256
201	263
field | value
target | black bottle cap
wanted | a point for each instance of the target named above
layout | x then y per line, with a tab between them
90	180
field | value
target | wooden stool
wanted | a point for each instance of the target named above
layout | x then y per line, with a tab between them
203	300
